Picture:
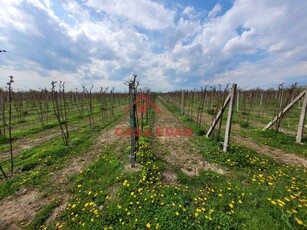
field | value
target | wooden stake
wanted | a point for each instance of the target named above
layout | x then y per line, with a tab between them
238	101
260	105
229	118
133	124
218	116
111	104
286	109
3	114
300	129
182	102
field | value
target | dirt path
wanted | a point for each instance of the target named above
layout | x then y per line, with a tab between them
274	153
178	151
13	214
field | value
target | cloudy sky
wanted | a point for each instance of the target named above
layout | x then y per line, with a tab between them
169	44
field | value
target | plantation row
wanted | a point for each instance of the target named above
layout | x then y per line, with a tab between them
247	121
243	190
24	114
180	178
252	106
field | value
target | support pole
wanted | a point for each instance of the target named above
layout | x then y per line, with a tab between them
182	102
111	104
238	101
286	109
218	116
229	118
133	124
300	129
3	114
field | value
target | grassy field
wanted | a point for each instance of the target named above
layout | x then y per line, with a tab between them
181	182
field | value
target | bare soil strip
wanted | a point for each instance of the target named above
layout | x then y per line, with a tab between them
178	151
274	153
20	209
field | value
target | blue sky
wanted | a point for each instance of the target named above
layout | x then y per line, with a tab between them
170	45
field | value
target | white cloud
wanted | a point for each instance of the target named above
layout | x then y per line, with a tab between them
271	29
143	13
241	44
11	16
168	46
260	74
188	10
215	11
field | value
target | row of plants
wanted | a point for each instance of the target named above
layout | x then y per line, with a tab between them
256	193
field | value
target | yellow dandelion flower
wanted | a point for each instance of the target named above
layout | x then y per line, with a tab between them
273	202
73	206
196	214
89	193
79	185
148	225
177	213
298	221
231	205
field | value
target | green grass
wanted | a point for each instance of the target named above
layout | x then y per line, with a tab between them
271	138
260	178
256	193
43	215
276	140
33	166
106	198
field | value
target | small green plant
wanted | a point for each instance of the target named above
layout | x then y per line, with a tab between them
212	112
244	124
201	132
